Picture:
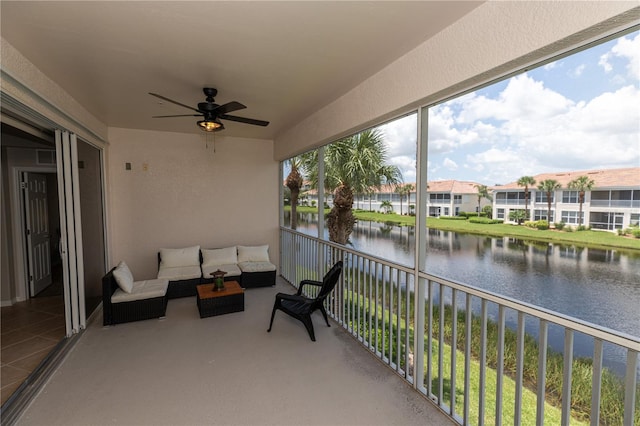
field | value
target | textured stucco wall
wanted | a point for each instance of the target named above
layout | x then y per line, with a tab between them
188	195
491	41
27	84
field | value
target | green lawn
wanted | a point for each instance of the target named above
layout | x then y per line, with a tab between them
552	414
594	239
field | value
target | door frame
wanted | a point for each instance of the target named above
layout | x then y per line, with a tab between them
20	261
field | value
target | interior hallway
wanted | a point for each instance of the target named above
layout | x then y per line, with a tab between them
30	330
225	370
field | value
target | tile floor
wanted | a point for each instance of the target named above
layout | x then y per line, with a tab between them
29	331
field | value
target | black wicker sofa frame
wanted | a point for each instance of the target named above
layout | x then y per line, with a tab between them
137	310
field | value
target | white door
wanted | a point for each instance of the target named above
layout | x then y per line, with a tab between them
38	236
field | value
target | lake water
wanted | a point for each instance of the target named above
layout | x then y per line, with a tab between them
598	286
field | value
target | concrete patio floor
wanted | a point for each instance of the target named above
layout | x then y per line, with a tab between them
226	370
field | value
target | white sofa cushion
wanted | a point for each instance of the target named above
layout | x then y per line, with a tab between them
223	256
188	256
179	273
253	253
141	290
256	266
231	269
123	277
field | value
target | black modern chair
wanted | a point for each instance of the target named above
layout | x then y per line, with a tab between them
301	307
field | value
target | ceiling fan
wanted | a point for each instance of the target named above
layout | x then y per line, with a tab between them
212	112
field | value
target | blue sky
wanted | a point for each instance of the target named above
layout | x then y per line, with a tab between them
580	112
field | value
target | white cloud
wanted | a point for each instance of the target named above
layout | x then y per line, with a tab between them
577	71
527	128
450	164
407	166
401	135
544	132
523	96
629	50
552	65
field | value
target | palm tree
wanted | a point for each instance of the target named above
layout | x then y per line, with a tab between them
581	184
386	206
517	215
483	192
526	182
404	190
352	165
548	186
294	183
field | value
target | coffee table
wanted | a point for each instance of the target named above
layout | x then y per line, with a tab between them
212	302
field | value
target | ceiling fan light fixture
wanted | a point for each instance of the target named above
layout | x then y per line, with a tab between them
210	125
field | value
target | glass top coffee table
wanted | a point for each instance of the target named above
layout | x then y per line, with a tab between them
212	302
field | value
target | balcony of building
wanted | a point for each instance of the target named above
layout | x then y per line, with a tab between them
225	370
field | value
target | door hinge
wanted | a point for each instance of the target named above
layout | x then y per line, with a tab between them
28	232
23	185
31	278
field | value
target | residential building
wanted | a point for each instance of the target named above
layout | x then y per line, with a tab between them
444	198
451	197
612	203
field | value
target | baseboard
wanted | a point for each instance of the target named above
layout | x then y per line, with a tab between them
8	303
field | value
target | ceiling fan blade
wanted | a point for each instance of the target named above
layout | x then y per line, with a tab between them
172	101
181	115
230	107
244	120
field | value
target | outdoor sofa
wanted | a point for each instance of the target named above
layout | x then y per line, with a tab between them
187	267
179	272
125	300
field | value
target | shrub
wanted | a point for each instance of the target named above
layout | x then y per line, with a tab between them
559	225
472	214
488	211
582	228
542	225
538	224
568	229
483	220
453	217
636	233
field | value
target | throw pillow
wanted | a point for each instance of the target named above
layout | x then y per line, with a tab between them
224	256
172	258
123	277
253	253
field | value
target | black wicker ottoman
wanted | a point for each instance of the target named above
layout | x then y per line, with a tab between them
212	302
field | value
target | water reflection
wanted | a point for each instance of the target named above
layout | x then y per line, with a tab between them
598	286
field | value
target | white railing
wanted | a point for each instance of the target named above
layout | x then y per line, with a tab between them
488	375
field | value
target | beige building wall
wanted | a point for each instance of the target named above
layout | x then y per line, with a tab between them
181	192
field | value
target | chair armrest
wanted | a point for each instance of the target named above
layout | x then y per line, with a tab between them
308	282
290	297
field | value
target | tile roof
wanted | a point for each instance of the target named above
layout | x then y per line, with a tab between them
603	178
452	186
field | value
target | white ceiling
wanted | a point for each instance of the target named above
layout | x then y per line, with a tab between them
283	60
